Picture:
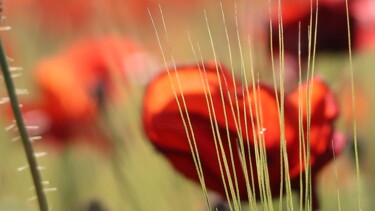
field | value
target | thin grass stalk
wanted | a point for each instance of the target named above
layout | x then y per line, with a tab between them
238	127
244	78
198	167
207	92
309	89
274	77
263	151
29	151
283	148
308	113
234	194
353	109
194	150
261	165
307	149
219	143
301	134
211	113
192	143
275	81
238	120
211	110
280	101
214	129
336	177
217	139
251	192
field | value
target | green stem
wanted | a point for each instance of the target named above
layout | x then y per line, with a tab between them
33	165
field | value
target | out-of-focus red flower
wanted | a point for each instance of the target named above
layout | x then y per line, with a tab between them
69	13
332	29
332	32
364	14
164	127
76	85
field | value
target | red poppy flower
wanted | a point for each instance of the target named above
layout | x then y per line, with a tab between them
332	35
165	129
364	14
76	85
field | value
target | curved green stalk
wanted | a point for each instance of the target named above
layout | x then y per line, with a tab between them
32	162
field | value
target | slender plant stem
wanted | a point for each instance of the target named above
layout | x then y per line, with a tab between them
354	111
33	165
